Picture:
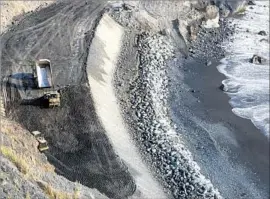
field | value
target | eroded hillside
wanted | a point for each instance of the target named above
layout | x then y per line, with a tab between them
26	173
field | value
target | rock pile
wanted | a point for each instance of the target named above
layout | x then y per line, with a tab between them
202	48
153	127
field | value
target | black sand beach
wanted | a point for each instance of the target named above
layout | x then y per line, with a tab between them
231	151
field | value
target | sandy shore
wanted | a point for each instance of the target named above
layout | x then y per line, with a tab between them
102	61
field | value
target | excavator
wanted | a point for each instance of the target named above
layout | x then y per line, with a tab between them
42	143
42	75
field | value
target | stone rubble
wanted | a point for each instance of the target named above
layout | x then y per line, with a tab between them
212	17
202	48
180	174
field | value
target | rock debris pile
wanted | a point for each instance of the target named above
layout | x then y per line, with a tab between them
202	47
154	130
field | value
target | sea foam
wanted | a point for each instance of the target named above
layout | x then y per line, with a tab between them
247	84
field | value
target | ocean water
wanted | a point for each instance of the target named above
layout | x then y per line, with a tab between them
247	84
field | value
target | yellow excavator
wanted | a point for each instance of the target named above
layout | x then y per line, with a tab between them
42	143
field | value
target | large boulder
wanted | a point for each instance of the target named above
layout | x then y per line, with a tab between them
211	17
256	59
212	12
224	10
262	33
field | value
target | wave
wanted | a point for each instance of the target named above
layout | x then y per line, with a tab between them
247	84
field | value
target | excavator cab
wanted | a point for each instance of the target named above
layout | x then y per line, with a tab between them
42	143
52	99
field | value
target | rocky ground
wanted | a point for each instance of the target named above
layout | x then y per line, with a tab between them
204	48
147	108
152	126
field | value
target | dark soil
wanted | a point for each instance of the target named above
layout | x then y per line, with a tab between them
78	145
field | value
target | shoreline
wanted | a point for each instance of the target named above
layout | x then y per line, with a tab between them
226	137
226	146
222	143
247	84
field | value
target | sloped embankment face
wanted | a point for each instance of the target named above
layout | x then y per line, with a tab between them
26	173
102	61
79	147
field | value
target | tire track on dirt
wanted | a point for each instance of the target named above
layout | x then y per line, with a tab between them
74	129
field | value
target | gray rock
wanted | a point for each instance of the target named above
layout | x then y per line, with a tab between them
256	59
262	33
212	12
251	3
208	63
224	11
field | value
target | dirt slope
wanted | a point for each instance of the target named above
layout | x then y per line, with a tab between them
25	172
79	147
12	11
